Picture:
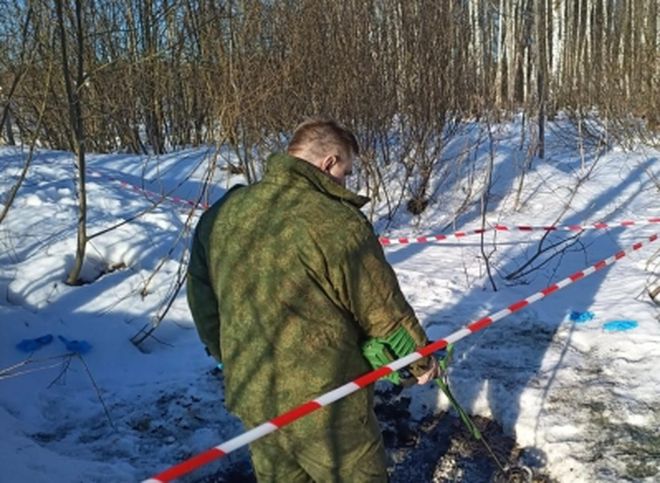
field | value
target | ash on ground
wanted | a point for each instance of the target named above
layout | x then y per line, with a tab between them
437	449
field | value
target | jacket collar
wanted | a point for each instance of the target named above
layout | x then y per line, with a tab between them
284	169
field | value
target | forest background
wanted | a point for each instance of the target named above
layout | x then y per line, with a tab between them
149	76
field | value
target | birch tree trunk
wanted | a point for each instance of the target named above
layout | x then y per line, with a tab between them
540	73
74	93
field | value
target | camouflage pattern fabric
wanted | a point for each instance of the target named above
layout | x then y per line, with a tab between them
299	281
352	451
201	296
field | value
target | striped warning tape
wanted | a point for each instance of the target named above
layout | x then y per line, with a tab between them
497	227
385	241
151	195
296	413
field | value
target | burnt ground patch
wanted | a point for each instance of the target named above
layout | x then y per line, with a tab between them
436	449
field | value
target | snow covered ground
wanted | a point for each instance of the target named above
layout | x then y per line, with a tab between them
582	403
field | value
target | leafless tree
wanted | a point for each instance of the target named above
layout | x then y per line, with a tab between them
150	76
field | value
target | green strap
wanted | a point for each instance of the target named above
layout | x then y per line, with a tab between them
443	382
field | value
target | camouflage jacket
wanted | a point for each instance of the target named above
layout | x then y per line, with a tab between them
296	281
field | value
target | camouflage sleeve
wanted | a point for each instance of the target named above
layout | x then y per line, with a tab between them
370	290
201	296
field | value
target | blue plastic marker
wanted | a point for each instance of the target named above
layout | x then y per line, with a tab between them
31	345
620	325
581	317
78	346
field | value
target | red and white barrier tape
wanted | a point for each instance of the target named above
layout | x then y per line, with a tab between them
460	234
149	194
296	413
385	241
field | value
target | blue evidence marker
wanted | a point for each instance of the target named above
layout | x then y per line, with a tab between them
619	325
581	317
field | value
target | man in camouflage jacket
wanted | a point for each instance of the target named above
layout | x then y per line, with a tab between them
286	281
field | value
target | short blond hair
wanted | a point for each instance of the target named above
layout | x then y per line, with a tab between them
321	134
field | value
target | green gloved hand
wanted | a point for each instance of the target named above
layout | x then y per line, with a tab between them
380	351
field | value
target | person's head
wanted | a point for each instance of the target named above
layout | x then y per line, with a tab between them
327	145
